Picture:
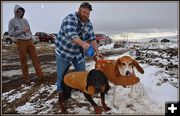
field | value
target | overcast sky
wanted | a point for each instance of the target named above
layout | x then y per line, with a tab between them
107	17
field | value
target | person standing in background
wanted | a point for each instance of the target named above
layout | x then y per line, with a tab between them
19	28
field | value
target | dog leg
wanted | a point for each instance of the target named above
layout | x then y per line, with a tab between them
96	108
132	91
106	108
114	97
61	102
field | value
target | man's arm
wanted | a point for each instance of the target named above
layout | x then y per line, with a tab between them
12	31
93	41
94	44
79	42
70	31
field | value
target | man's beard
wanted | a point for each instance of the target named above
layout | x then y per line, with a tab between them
83	18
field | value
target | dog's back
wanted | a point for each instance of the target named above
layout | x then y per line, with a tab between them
107	67
97	79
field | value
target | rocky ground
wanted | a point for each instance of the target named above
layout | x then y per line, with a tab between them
162	58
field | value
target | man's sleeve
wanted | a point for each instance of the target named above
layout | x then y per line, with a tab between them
91	33
70	28
12	31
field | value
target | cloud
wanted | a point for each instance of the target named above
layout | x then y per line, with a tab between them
107	17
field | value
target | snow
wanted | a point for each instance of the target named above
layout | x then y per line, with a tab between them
28	108
158	94
49	105
45	68
81	110
13	95
49	89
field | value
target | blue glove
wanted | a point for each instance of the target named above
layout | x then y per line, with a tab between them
90	51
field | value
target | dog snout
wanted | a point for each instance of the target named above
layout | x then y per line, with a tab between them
127	73
97	87
98	90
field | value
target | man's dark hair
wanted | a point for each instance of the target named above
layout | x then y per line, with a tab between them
86	5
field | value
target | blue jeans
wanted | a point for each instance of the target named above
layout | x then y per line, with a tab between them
62	65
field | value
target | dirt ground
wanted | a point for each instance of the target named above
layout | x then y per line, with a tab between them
10	61
14	82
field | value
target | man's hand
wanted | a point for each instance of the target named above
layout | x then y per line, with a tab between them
98	54
81	43
85	46
26	29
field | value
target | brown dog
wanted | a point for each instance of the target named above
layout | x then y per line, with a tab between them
119	72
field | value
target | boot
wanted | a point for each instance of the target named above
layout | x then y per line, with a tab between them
27	81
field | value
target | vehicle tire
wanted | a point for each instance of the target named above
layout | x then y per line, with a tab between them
8	41
97	42
50	41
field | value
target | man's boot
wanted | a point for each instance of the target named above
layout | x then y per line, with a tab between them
27	81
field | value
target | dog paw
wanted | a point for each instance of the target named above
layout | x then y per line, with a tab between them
116	106
107	108
124	86
98	110
130	95
64	111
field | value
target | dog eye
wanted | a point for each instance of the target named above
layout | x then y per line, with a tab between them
123	64
130	64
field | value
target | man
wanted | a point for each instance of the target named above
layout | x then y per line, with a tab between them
76	29
19	28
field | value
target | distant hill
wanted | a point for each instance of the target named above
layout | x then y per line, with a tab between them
171	38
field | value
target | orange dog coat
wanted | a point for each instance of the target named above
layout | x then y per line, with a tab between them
107	67
77	80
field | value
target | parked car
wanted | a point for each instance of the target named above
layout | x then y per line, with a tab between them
165	40
102	39
54	35
9	40
45	37
35	39
153	40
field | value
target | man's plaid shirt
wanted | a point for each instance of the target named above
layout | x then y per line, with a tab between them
71	28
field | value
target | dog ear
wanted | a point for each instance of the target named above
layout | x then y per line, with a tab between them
116	68
107	88
89	80
138	67
88	83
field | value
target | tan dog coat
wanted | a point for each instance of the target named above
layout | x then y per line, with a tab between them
77	80
107	67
